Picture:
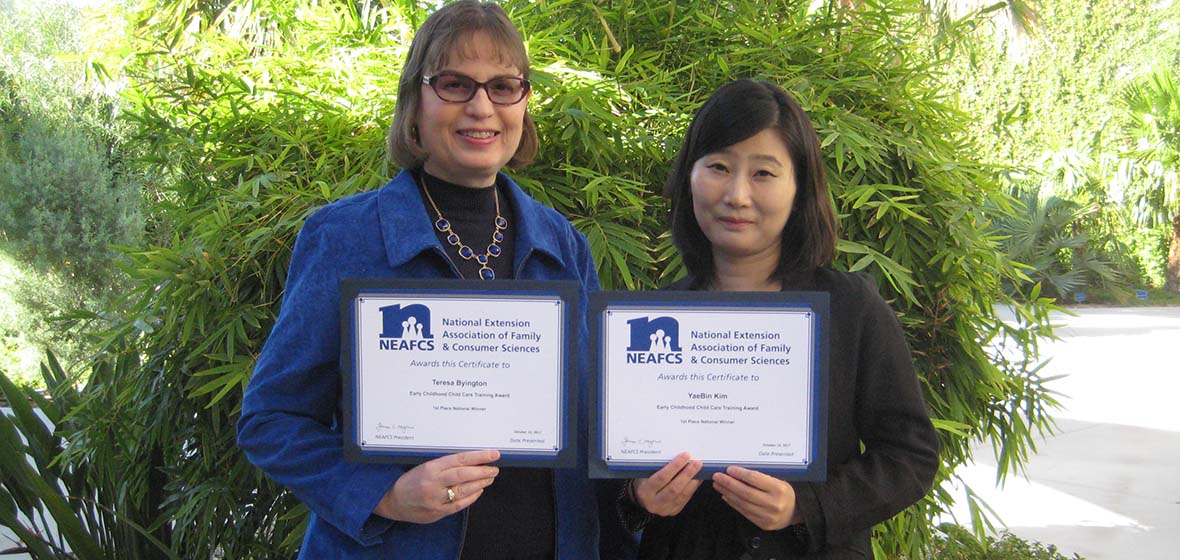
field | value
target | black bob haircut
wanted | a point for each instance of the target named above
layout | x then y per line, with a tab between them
736	112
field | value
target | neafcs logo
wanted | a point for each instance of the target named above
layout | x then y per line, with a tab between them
654	341
406	328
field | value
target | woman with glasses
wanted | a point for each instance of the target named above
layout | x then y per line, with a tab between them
461	117
751	212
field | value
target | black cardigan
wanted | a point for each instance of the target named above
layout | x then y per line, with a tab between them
874	398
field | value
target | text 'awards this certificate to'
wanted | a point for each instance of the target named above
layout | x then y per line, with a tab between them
430	371
733	378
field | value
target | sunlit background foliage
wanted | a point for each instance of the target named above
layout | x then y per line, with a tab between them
1079	109
234	120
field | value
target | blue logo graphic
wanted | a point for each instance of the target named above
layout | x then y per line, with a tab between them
406	327
654	341
660	335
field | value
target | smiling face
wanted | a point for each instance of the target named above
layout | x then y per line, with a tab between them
742	197
468	143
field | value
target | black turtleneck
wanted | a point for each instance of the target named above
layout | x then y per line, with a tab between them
472	214
514	518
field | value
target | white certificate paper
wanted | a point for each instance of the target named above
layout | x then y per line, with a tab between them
437	372
731	382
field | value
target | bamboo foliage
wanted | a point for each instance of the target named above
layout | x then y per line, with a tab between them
252	114
61	498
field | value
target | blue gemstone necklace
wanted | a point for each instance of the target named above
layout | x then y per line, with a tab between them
465	251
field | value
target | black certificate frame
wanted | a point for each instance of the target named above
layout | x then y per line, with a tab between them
565	455
815	470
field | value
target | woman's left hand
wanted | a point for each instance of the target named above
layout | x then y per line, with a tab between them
766	501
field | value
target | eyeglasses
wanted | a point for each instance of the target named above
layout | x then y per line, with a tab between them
457	88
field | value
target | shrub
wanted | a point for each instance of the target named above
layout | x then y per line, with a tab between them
61	206
1049	237
955	543
18	355
64	195
61	210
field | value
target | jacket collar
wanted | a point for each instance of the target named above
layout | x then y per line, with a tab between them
407	230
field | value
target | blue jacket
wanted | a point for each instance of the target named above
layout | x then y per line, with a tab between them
290	423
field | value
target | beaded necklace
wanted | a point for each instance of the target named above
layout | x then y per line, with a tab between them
465	251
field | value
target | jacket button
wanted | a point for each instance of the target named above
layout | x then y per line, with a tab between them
755	542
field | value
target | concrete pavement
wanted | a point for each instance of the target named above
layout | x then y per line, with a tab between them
1107	484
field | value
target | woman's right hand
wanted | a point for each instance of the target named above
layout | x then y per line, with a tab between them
670	488
420	495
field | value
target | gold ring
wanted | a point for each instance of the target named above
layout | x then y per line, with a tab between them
450	495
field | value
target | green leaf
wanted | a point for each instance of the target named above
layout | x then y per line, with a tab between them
41	444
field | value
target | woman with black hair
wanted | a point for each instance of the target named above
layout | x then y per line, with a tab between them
751	212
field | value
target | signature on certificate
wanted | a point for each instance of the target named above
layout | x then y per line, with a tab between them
400	428
648	443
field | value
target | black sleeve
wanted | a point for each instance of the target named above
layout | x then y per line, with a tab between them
900	447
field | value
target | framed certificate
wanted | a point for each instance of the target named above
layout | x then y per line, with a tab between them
732	378
433	368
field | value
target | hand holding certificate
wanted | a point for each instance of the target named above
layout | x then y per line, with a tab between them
738	380
667	491
769	503
439	488
430	371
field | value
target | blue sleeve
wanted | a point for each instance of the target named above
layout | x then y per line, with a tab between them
288	426
588	278
614	542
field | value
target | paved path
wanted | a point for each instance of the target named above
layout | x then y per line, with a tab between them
1107	485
